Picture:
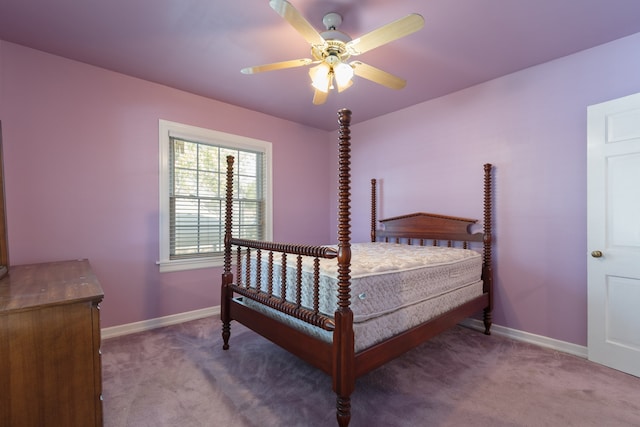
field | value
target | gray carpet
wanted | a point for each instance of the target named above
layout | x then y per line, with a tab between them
180	376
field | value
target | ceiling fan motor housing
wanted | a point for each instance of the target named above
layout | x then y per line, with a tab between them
334	50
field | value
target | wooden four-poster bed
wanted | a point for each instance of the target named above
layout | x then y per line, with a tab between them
321	303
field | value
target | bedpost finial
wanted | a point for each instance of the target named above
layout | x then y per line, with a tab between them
344	116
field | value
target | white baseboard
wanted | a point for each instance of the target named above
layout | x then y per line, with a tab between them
554	344
146	325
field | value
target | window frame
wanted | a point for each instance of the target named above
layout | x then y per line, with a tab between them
169	129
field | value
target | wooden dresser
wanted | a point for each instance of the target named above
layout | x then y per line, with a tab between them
50	367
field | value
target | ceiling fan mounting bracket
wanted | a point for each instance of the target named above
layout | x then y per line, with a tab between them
332	20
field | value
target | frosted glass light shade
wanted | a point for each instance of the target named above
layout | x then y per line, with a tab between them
321	77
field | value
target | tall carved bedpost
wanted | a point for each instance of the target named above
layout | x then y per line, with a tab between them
487	270
227	276
374	214
343	339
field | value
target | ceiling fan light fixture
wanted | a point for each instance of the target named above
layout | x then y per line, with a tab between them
345	86
344	74
321	77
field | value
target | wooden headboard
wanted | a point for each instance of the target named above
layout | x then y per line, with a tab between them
428	226
435	227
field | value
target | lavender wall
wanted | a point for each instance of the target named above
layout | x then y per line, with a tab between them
532	126
81	171
81	167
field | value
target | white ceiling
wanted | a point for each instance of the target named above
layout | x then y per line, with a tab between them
200	46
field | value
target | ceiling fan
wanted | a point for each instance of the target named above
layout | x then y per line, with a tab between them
332	48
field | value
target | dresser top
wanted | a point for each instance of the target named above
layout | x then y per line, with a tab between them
52	283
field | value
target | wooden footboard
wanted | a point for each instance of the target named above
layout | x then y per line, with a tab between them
250	286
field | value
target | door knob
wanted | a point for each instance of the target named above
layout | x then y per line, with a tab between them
596	254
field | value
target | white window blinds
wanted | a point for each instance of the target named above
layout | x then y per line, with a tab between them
197	197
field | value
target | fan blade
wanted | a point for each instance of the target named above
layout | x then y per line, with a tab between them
277	66
297	21
385	34
376	75
320	97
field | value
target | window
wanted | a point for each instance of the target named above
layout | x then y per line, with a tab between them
193	168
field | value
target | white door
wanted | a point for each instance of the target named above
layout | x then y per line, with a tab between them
613	221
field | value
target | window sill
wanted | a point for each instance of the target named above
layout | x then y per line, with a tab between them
190	264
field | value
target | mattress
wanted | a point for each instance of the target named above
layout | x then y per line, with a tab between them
393	287
385	277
